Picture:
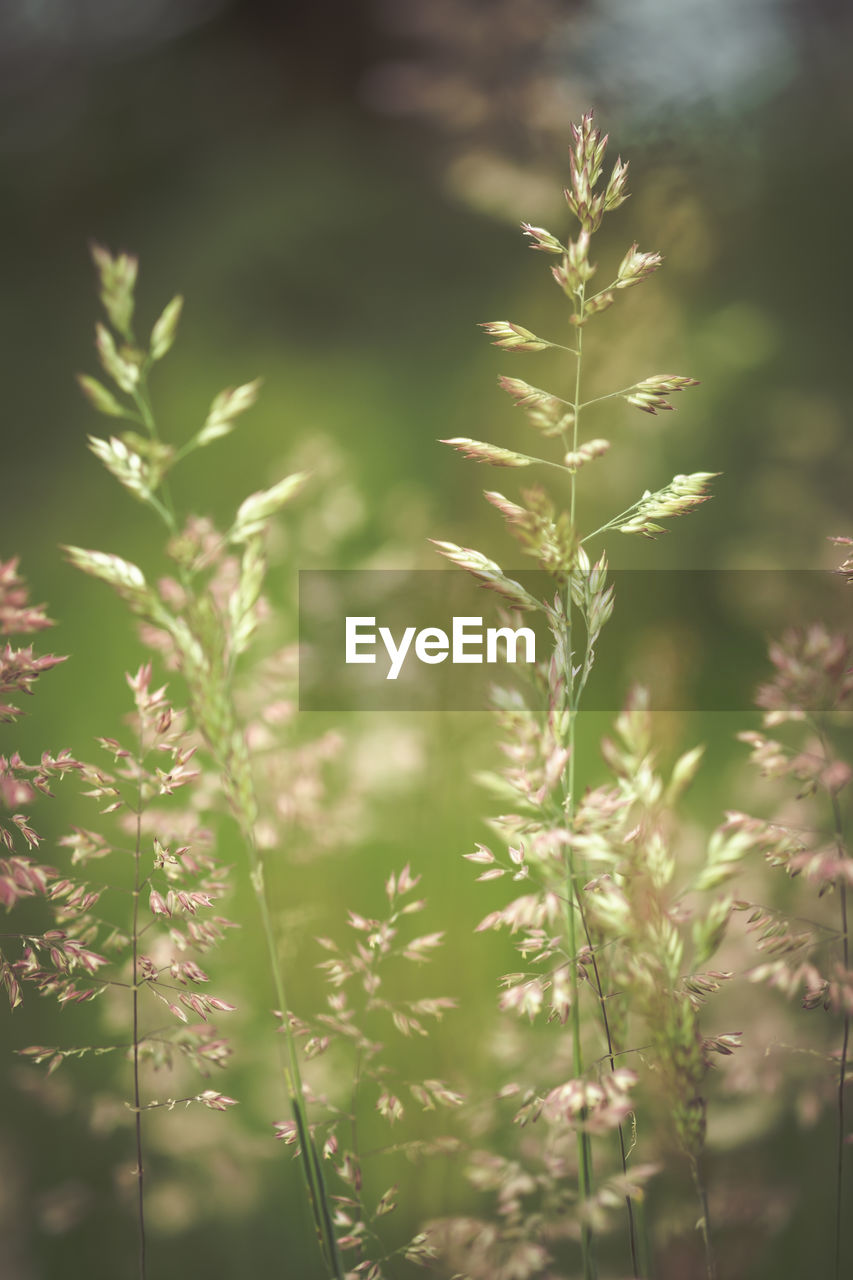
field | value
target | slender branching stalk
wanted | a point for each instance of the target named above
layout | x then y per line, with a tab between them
572	898
547	529
134	997
358	1006
21	877
54	959
204	621
841	1126
704	1220
812	689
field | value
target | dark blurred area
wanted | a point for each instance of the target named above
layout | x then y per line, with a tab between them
335	188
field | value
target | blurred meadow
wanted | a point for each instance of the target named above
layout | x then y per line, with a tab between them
336	191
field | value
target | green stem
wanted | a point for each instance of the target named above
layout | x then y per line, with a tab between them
704	1220
590	1270
545	462
845	1036
162	511
236	772
166	508
312	1168
611	1057
137	858
573	896
611	395
842	1079
576	404
584	1146
643	1244
610	523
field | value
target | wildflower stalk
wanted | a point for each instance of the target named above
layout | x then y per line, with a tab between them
358	1004
552	537
842	1081
838	825
598	987
812	687
572	897
54	960
223	739
202	633
313	1171
704	1220
137	1102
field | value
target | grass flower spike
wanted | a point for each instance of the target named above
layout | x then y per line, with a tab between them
203	618
571	925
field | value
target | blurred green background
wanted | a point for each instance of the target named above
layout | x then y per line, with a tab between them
336	190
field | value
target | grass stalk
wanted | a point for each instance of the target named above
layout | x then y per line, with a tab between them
611	1058
547	530
838	835
206	636
585	1171
842	1080
845	1035
311	1167
704	1219
216	718
137	1107
573	896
